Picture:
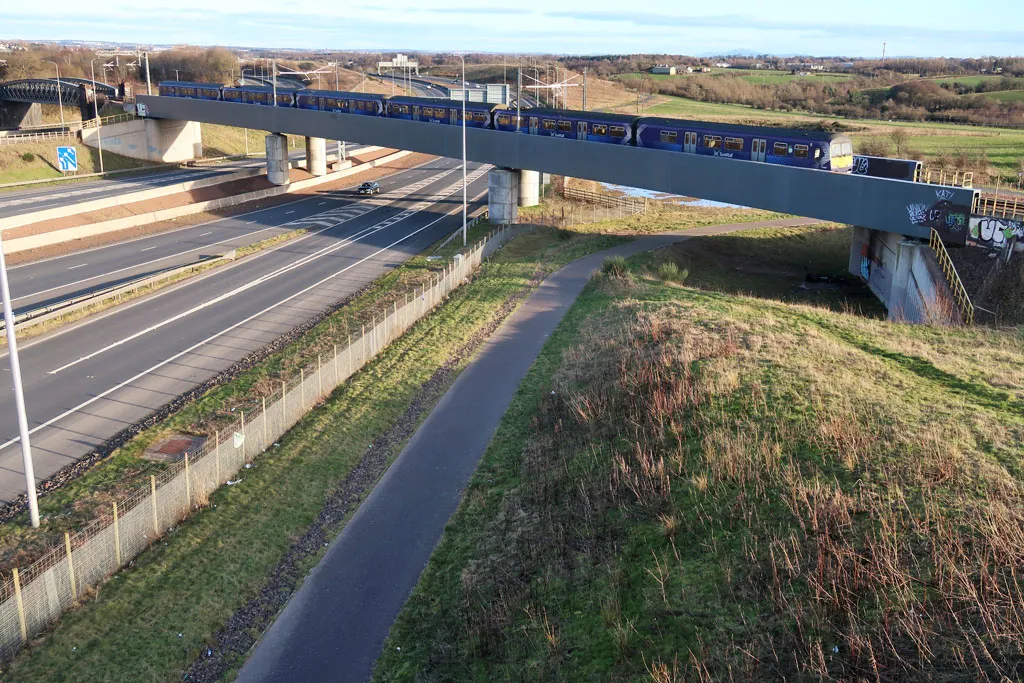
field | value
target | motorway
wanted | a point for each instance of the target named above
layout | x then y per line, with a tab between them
18	202
89	380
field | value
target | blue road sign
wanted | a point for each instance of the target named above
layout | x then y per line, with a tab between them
67	158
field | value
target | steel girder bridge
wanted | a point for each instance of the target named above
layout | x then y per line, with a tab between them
73	91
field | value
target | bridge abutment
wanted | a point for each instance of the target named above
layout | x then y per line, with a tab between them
278	164
18	114
503	195
159	140
316	156
905	276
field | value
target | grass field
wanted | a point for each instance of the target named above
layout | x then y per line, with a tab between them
153	619
697	485
38	160
756	76
1006	95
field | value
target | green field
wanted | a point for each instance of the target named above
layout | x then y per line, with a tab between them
1006	95
38	160
698	481
969	81
756	76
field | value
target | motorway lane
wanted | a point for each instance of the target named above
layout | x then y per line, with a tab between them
88	382
46	282
18	202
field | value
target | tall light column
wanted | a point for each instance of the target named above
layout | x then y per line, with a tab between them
60	98
464	190
19	395
96	109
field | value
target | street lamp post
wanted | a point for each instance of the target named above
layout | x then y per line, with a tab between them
464	190
60	97
149	85
96	109
19	395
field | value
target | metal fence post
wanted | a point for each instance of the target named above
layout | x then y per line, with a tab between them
117	537
284	407
21	607
302	389
71	566
320	374
188	486
266	440
152	493
216	455
241	430
349	369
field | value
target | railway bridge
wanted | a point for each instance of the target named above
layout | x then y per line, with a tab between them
895	218
20	100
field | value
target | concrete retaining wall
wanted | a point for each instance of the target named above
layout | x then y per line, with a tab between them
149	139
70	234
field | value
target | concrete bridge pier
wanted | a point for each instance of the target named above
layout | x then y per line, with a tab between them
316	156
905	275
503	195
278	164
529	188
160	140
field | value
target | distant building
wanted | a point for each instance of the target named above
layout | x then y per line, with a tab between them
704	69
663	69
689	69
723	65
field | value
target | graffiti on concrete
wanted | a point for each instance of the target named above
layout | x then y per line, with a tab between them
948	219
995	232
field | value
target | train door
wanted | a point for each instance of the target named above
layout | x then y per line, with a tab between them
690	143
758	150
581	130
534	125
415	112
453	116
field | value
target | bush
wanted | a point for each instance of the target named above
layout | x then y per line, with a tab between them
670	272
28	157
614	266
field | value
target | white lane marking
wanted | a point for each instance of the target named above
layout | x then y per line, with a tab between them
368	206
206	233
321	203
309	258
146	249
80	265
222	332
78	254
288	213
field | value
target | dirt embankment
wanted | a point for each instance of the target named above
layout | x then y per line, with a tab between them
996	288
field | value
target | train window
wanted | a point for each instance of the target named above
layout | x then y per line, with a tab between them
617	131
504	120
479	116
549	124
800	151
427	111
668	136
564	126
734	144
713	141
780	149
817	152
599	129
847	149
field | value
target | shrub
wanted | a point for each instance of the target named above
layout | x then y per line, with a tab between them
28	157
614	266
670	272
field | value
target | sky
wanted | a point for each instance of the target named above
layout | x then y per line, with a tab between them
857	28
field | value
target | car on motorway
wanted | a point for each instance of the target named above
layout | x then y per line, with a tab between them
369	187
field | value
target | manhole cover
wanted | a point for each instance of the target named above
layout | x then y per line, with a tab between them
173	448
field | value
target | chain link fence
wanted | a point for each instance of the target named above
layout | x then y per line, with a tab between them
32	600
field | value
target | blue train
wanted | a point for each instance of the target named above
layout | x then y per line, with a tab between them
784	146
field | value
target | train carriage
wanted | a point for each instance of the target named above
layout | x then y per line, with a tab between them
438	110
363	104
617	129
193	91
883	167
783	146
259	94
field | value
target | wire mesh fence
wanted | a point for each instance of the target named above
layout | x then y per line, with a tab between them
33	599
581	214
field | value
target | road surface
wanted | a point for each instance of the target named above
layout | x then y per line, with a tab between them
19	202
88	381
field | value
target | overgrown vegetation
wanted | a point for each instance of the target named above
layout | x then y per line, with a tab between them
218	559
698	485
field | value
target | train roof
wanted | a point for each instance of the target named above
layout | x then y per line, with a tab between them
441	101
576	114
340	93
262	88
192	84
743	129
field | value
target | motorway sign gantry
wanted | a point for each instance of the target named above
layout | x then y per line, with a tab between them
67	159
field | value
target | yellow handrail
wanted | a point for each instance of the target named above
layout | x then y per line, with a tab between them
952	278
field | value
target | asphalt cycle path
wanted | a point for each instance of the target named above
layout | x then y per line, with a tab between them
335	625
